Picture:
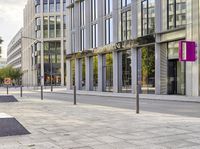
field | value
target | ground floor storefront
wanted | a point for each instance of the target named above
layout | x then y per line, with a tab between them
119	71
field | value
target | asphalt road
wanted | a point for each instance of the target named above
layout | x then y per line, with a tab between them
189	109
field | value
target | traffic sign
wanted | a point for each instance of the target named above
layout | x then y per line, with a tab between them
7	81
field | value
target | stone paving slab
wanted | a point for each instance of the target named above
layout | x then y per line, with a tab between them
61	125
8	98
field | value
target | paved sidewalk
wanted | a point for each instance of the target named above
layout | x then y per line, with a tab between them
61	125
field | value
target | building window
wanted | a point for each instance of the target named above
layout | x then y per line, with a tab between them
38	27
176	13
72	18
64	25
126	25
82	12
125	3
95	73
52	62
37	6
45	6
108	6
45	27
146	69
148	16
109	31
57	5
64	5
51	27
94	9
58	26
73	43
51	5
83	39
94	35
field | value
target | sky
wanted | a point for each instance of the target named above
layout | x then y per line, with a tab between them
11	20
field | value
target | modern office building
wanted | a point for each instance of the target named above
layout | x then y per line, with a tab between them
44	42
113	43
14	50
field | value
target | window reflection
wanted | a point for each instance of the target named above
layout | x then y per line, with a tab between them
146	70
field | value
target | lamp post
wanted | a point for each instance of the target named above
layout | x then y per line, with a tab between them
41	63
51	71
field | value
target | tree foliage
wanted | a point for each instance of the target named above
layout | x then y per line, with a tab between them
9	72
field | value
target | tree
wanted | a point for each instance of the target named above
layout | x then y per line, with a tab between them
9	72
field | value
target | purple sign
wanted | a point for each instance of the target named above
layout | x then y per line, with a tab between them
187	51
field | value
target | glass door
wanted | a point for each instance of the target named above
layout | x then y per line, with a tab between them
176	77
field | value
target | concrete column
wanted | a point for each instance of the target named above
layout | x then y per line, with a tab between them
69	78
115	72
78	76
193	28
100	73
134	70
62	63
157	69
120	71
89	73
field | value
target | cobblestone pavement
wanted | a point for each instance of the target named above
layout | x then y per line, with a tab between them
61	125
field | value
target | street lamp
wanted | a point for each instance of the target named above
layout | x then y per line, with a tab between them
41	63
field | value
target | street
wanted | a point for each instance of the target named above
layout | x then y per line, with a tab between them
190	109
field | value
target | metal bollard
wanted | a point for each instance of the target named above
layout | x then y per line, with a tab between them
51	88
7	89
21	91
41	92
74	94
137	101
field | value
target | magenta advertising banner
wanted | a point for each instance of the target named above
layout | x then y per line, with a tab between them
187	51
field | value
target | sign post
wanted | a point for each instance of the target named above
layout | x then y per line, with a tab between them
7	82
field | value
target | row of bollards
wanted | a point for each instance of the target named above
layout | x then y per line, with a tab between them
75	93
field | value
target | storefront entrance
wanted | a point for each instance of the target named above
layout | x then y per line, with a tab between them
176	77
176	71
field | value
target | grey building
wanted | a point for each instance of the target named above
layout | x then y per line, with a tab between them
44	38
14	50
113	43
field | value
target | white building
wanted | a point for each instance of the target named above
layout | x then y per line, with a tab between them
14	50
44	42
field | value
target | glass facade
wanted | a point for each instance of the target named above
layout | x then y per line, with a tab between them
148	17
108	6
52	62
146	70
58	26
126	25
51	6
37	6
176	71
125	68
108	72
94	9
125	3
109	31
57	5
51	26
82	12
38	28
176	13
95	73
45	27
94	35
45	5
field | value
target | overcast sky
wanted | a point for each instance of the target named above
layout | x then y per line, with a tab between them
11	20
